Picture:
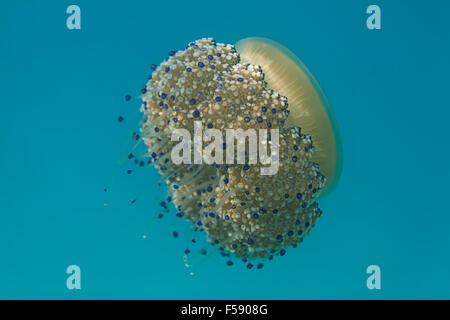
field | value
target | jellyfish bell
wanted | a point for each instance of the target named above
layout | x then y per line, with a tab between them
309	108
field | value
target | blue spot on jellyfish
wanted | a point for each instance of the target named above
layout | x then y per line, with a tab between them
257	84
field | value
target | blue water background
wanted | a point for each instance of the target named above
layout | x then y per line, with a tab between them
61	92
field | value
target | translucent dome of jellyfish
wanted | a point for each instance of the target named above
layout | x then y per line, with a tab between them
257	84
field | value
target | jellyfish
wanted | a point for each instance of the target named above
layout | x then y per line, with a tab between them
257	84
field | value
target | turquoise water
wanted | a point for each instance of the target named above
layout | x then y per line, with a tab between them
62	90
